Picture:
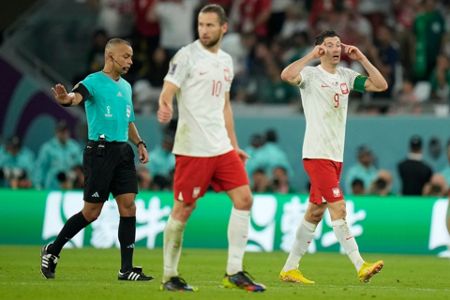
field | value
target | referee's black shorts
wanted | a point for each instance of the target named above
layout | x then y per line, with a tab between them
111	170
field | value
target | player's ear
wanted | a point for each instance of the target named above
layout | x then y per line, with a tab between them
225	27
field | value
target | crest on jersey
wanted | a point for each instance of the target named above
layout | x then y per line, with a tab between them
344	88
227	74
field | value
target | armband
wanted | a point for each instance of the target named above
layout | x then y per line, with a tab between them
82	90
359	83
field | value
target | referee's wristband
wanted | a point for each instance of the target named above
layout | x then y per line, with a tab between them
141	142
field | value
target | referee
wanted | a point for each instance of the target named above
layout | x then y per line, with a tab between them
108	159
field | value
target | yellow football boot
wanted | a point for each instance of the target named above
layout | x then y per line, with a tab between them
369	269
295	275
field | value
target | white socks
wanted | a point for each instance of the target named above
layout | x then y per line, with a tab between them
303	237
173	239
347	242
238	226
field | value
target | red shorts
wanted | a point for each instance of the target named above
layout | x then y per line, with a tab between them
193	175
324	175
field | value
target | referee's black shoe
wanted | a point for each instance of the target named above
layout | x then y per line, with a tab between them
48	263
134	274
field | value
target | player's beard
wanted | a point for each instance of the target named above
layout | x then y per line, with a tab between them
212	42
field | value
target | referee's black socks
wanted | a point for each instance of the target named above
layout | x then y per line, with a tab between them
74	225
127	236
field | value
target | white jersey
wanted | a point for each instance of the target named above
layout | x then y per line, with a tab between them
325	103
203	78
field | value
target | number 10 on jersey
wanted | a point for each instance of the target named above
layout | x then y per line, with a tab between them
216	88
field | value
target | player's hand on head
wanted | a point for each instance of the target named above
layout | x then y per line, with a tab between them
352	52
319	51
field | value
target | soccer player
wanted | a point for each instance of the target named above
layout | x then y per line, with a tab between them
324	92
108	159
206	148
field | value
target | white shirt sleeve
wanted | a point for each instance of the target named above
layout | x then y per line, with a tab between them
350	77
306	74
178	68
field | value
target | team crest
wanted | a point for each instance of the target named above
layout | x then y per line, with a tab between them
196	192
344	88
336	192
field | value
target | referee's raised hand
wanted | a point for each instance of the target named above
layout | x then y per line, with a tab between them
61	96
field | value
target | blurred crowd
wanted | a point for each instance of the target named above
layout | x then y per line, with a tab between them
58	166
408	40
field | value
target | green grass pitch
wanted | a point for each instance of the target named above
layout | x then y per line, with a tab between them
92	274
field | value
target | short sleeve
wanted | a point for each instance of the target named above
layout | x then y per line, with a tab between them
355	80
306	74
229	75
89	84
132	117
178	68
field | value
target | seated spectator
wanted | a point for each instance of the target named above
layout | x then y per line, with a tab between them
436	186
162	163
407	100
273	155
446	171
364	169
261	183
440	79
382	185
256	160
357	187
16	164
413	171
56	158
78	177
280	181
145	180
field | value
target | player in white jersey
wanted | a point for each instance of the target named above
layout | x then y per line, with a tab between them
206	148
324	91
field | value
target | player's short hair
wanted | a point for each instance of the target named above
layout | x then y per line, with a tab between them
218	10
116	41
323	35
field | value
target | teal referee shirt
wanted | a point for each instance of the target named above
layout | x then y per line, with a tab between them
109	107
